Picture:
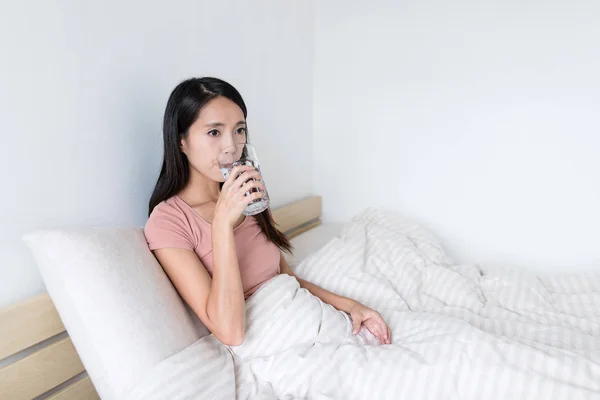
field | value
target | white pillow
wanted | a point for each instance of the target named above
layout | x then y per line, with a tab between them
117	304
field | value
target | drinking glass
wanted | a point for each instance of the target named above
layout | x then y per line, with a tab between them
243	154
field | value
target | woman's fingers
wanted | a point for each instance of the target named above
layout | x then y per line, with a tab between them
387	335
245	176
374	322
253	196
234	174
238	176
247	189
380	337
384	328
375	328
379	328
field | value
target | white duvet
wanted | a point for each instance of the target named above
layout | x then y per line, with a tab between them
458	332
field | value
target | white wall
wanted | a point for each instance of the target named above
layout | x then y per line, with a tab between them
83	90
479	119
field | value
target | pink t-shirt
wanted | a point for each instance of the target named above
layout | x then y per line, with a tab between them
173	223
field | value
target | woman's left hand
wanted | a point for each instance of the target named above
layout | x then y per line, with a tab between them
372	320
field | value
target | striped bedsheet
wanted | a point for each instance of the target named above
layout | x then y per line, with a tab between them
459	332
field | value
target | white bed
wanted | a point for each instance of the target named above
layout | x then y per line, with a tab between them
459	331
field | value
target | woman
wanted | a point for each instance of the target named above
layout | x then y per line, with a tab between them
216	257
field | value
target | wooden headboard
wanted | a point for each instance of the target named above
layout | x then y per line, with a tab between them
46	364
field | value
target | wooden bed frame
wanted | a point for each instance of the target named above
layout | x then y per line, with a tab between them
51	368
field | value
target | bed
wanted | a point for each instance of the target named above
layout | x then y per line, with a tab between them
459	331
41	359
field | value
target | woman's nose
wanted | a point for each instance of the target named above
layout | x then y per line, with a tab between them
228	147
228	143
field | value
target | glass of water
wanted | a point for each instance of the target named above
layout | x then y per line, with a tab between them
243	154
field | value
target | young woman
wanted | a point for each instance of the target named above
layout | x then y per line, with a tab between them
216	257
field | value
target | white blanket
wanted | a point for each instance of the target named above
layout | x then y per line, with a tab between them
458	332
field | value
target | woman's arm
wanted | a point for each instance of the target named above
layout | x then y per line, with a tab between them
360	314
226	302
218	301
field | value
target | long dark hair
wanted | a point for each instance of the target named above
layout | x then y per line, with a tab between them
183	108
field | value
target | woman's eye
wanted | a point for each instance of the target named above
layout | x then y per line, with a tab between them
214	132
241	131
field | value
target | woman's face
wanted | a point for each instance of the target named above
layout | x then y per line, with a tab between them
220	124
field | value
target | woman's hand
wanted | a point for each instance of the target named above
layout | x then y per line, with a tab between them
372	320
233	200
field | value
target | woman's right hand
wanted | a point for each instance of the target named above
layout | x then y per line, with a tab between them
233	200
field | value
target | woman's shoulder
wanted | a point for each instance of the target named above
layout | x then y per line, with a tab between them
168	224
166	211
166	207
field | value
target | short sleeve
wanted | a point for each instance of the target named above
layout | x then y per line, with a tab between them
167	227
